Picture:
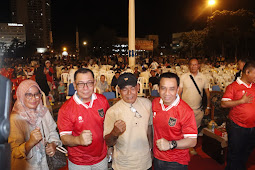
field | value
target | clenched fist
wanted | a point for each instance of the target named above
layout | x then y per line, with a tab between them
85	137
35	136
163	144
119	128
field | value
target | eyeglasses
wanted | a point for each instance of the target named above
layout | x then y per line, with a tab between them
138	115
30	95
88	84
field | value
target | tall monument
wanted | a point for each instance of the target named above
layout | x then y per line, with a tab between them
131	33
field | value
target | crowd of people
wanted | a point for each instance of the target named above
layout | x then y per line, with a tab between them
143	134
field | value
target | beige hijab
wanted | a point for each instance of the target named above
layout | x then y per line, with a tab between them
32	117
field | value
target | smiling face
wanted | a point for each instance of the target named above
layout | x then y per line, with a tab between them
84	85
102	78
129	93
32	102
193	66
168	89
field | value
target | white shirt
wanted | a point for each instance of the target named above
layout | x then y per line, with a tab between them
189	91
131	150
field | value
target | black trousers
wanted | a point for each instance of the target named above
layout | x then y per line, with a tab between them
163	165
241	142
62	97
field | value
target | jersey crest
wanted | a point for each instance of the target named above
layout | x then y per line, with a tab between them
172	121
101	112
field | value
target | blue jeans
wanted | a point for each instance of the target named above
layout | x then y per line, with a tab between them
158	165
241	142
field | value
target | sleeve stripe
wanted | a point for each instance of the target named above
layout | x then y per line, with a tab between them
65	133
226	99
190	136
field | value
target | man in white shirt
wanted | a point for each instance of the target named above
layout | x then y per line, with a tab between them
189	93
102	85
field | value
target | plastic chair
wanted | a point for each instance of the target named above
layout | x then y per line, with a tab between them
109	95
71	90
215	88
140	92
117	91
154	93
64	77
44	99
144	83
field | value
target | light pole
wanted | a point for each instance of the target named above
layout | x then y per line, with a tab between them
211	3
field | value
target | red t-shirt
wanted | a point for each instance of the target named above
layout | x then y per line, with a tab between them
74	117
173	122
48	76
243	114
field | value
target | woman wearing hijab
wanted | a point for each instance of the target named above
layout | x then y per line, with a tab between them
32	130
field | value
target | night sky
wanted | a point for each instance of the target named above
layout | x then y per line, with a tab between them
162	17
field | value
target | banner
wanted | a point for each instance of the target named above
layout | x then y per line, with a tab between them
144	45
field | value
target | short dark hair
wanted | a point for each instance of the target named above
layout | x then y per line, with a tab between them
244	60
193	58
170	75
250	65
83	71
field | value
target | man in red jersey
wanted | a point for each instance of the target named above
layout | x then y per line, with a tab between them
80	123
241	126
174	123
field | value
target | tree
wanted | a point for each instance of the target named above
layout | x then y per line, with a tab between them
193	43
228	32
19	49
13	48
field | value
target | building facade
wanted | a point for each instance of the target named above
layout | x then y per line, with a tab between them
142	46
8	32
176	41
36	16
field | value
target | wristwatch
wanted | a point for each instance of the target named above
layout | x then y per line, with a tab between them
173	144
